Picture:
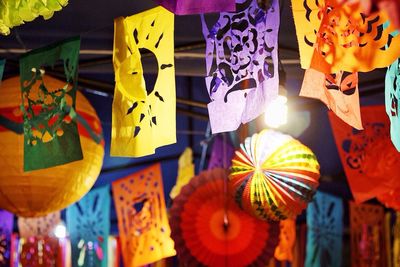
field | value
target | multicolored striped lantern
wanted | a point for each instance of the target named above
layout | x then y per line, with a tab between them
274	176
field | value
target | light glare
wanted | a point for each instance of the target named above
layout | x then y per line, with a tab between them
276	112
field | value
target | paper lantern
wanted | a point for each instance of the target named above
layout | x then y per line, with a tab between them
274	176
39	192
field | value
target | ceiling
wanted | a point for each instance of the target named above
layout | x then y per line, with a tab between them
93	21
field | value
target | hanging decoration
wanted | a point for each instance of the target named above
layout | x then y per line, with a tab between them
16	13
189	7
390	7
368	155
6	229
274	176
38	227
242	64
222	153
335	36
338	91
143	114
51	135
367	235
2	64
39	252
142	217
392	97
287	239
325	230
391	199
40	192
88	223
209	229
185	171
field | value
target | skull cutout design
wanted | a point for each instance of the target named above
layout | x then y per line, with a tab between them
242	63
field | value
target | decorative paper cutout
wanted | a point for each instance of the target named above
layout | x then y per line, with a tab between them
187	7
338	91
2	63
88	223
51	135
39	252
142	217
242	64
325	230
143	115
222	153
392	97
6	228
368	155
15	13
367	235
287	239
391	7
333	35
185	171
38	227
210	230
274	176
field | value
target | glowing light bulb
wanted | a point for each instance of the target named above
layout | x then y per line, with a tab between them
60	231
276	113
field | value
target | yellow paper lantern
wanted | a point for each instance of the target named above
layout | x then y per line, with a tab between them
36	193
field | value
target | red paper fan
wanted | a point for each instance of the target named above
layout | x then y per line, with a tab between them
210	229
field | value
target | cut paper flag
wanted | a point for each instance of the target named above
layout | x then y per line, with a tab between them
242	64
370	161
188	7
339	92
88	223
143	113
6	230
222	153
392	97
391	7
367	238
2	64
15	13
39	252
287	240
38	227
142	217
325	230
51	135
185	171
335	36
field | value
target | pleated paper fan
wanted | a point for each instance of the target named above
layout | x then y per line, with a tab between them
209	229
274	176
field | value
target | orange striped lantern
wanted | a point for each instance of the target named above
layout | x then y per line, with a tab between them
39	192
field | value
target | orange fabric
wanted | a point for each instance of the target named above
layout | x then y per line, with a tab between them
287	239
367	235
338	91
333	35
142	217
370	161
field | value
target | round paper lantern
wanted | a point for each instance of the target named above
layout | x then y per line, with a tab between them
36	193
274	176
